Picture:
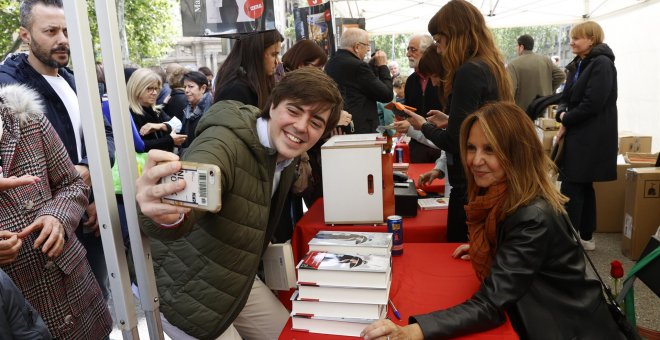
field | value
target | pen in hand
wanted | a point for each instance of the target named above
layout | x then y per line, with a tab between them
394	310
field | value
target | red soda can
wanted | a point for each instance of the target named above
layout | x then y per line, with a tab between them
398	155
395	226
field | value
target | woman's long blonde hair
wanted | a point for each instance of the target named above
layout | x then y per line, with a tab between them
513	138
468	39
140	80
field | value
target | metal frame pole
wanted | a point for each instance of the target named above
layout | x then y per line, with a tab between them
80	39
106	14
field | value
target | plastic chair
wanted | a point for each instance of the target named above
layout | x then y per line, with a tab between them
646	269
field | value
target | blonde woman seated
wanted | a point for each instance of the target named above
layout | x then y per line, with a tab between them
521	248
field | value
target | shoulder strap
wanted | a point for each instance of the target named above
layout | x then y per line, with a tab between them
606	288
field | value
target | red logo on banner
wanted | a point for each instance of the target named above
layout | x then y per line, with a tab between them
327	16
254	8
314	2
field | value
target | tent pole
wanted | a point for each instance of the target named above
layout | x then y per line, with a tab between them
80	39
106	14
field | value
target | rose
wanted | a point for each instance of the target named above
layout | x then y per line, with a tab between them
616	269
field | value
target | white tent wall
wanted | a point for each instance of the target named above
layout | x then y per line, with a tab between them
632	37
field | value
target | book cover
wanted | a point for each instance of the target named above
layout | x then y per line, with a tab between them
315	308
321	268
334	326
344	294
352	243
433	203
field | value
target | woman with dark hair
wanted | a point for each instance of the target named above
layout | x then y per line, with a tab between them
199	100
588	114
304	53
522	247
474	74
247	75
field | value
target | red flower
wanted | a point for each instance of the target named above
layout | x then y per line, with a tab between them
616	269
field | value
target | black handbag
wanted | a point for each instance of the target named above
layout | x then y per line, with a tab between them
615	310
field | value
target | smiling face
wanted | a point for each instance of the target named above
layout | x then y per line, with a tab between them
294	128
481	159
581	46
48	39
271	58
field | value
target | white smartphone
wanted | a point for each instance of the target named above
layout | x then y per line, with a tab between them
202	189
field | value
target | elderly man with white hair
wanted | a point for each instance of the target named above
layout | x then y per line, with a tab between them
360	87
420	94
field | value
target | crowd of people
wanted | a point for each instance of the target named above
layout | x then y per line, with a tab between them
262	123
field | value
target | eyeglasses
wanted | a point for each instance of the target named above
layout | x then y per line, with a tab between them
153	89
361	43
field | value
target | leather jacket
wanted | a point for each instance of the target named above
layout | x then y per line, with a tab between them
538	279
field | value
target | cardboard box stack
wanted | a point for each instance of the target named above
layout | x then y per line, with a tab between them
546	130
642	213
343	283
632	142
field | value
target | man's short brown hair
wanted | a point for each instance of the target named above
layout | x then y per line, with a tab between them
308	86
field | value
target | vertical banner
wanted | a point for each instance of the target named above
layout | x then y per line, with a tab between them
216	17
315	23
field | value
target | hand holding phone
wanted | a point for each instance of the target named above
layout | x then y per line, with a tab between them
202	189
149	191
438	118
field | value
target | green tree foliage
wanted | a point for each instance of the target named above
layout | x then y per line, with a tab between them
548	40
396	43
8	26
149	28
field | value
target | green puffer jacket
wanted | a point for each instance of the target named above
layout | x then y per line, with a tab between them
205	268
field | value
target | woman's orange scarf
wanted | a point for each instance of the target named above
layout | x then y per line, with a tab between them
482	214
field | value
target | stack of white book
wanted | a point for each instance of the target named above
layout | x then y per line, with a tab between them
343	282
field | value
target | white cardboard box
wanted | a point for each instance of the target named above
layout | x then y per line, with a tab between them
352	179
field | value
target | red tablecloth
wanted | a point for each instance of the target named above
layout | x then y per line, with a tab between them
425	278
428	226
416	169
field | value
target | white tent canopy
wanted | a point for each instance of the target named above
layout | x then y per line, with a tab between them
406	16
629	26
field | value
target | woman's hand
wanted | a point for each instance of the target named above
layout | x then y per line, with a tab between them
437	118
345	118
152	127
10	244
428	177
178	139
415	120
51	235
401	126
385	329
15	182
561	132
462	252
149	192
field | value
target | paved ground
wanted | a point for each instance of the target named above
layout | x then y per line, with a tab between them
608	248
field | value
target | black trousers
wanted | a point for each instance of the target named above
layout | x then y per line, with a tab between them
456	226
581	207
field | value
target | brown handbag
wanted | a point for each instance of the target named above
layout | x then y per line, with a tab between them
304	174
